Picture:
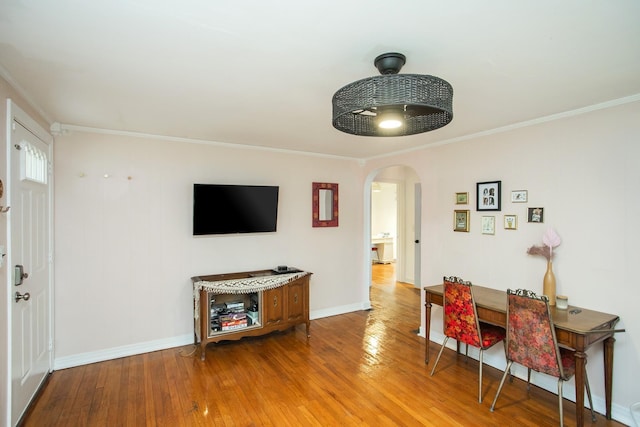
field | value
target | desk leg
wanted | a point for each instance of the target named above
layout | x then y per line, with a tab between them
581	361
427	327
203	350
608	372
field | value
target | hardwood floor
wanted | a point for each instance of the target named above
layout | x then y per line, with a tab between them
358	369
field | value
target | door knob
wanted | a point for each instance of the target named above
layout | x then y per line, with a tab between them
25	297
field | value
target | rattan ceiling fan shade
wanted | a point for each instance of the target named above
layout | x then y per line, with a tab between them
424	101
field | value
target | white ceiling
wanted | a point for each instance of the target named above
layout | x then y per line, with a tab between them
262	73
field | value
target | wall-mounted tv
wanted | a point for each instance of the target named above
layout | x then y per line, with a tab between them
228	209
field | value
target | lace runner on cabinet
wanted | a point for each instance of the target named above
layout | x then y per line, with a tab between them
248	284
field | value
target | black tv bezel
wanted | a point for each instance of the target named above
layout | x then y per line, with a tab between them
216	225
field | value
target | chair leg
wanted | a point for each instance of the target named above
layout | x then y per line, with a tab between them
439	354
528	379
504	376
586	385
560	401
480	378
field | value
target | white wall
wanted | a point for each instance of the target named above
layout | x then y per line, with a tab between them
585	171
124	251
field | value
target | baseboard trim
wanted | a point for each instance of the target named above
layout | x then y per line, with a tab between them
163	344
118	352
334	311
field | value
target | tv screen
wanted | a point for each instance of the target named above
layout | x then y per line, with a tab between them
227	209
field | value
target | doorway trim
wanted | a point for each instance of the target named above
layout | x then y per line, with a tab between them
366	233
15	113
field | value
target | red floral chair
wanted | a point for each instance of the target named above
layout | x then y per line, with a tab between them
531	342
461	322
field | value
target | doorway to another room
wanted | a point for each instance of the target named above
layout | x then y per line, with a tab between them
384	222
394	204
384	237
393	232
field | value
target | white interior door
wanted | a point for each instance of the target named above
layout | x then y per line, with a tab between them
417	233
30	258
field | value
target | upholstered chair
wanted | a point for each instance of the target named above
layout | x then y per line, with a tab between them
531	342
461	322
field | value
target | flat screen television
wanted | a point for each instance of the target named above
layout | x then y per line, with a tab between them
229	209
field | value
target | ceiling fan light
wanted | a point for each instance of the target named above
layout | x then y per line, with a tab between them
390	123
426	101
390	119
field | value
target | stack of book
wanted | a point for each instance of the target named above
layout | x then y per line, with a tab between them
233	321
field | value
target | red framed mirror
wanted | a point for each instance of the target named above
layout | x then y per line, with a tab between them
325	204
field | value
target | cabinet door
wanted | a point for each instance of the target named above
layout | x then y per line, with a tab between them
273	301
296	301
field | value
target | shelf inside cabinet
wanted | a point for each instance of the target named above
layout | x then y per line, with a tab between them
229	313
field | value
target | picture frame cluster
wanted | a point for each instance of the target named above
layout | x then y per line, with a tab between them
489	199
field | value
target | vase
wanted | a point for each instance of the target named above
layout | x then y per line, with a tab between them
549	284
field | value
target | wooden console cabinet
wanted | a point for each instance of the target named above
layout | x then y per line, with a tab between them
281	305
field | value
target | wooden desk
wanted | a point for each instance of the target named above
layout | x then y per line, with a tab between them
576	331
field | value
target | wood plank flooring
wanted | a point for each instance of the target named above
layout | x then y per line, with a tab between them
358	369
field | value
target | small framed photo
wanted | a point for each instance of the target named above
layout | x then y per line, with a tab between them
519	196
488	196
511	222
488	225
535	215
461	220
462	198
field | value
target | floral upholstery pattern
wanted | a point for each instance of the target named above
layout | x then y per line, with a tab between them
461	322
531	342
531	339
460	318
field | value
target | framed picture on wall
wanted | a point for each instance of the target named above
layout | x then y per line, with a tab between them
461	220
488	196
519	196
511	222
488	225
535	215
462	198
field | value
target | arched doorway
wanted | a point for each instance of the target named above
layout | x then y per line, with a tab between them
405	188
